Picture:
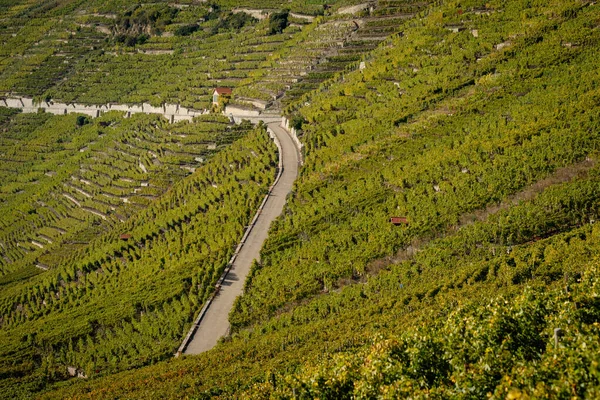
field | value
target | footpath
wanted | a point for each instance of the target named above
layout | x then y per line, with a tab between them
212	322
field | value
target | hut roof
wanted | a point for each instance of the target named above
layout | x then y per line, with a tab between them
398	220
222	90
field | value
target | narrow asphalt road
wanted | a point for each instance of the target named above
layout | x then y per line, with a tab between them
215	323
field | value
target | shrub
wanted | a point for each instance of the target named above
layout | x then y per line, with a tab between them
82	120
186	30
297	121
233	22
278	22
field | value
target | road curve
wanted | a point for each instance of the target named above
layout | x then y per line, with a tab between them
215	321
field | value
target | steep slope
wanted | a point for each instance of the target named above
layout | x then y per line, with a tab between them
479	127
96	52
454	135
120	302
64	183
451	278
105	232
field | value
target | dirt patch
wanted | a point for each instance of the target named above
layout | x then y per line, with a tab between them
374	267
353	9
561	175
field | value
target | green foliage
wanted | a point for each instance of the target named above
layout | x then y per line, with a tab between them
296	122
63	183
233	21
131	41
150	19
7	113
426	325
82	120
504	347
451	138
94	309
278	21
478	124
186	30
86	54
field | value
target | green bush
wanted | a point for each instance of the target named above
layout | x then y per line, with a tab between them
82	120
297	121
186	30
278	21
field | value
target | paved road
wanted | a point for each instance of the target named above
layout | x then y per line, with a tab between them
215	323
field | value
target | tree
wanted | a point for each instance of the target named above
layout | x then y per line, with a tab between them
82	120
278	22
297	121
186	30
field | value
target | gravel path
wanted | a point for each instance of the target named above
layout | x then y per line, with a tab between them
215	322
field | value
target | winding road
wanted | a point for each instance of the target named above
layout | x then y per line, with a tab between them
214	320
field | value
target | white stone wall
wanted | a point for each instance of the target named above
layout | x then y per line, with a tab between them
254	119
177	118
302	16
235	111
14	103
148	108
260	104
172	112
56	111
171	108
286	124
136	109
258	14
118	107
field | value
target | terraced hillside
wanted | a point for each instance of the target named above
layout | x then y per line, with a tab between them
440	241
453	135
64	183
101	52
325	48
126	296
478	128
98	52
89	218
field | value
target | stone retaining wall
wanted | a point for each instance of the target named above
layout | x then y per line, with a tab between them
173	112
237	114
292	131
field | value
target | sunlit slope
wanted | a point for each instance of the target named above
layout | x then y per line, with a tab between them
327	46
95	52
428	132
116	304
64	183
98	52
479	125
452	279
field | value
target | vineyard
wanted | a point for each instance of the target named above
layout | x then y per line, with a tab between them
461	296
93	309
441	239
63	184
432	153
107	52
